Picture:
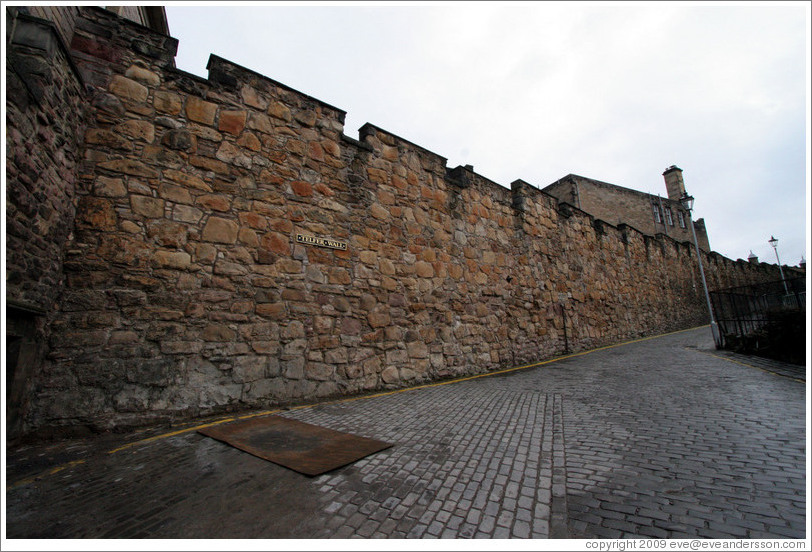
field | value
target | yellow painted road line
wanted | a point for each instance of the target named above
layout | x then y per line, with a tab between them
171	434
46	473
752	366
351	399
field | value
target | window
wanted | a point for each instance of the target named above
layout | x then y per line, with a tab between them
656	209
668	218
681	218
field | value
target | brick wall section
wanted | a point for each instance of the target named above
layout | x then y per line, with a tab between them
188	293
618	205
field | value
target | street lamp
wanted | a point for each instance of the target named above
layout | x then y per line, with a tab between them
688	204
774	242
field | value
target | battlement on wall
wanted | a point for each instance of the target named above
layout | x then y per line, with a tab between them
381	142
233	248
232	76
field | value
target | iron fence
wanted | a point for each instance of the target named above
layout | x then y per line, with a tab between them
749	314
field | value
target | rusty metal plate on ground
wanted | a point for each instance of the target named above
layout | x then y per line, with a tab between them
305	448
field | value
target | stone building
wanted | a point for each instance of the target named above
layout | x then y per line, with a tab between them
648	213
179	246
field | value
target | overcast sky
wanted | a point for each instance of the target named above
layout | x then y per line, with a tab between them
538	90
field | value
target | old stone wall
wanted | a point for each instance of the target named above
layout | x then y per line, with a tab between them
44	103
193	283
44	107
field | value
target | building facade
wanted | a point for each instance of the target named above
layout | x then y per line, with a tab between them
650	214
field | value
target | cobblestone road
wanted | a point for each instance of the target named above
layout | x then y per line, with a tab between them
664	437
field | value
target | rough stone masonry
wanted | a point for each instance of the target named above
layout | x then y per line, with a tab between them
193	276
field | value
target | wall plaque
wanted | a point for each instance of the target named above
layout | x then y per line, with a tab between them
321	242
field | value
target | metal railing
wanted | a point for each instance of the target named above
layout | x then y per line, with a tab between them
745	312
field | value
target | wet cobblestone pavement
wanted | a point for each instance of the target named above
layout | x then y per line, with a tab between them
664	437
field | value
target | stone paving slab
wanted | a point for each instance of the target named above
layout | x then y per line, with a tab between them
659	438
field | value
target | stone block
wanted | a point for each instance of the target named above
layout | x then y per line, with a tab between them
289	266
294	349
307	117
167	102
149	372
273	311
336	356
248	237
214	202
232	122
107	138
249	368
96	213
424	269
220	230
301	188
209	164
139	130
315	151
218	332
372	366
339	276
128	89
180	347
130	167
293	369
205	133
265	347
417	349
143	75
172	259
319	371
378	319
253	98
276	243
249	141
184	213
109	187
280	111
228	268
379	212
267	389
231	153
146	206
200	110
186	179
390	375
175	194
261	123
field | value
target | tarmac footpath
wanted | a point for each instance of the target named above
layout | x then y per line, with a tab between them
662	437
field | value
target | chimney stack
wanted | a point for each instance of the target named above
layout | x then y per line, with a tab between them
674	183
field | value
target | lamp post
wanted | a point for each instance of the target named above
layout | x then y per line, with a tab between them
688	204
774	242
